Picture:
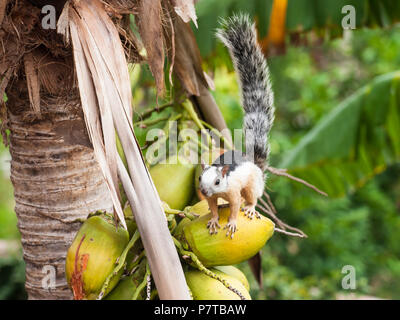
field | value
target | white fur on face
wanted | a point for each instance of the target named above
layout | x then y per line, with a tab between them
209	177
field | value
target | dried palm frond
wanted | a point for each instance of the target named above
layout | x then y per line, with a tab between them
104	86
150	29
188	69
98	118
33	83
185	9
187	66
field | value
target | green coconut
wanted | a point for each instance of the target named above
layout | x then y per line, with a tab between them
204	287
174	182
92	256
200	208
220	249
236	273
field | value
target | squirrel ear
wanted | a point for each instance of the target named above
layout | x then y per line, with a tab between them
224	170
204	165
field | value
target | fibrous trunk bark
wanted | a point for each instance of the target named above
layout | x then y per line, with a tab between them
57	182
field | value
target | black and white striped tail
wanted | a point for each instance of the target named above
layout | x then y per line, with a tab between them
239	35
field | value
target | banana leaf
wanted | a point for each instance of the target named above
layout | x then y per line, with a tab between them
355	141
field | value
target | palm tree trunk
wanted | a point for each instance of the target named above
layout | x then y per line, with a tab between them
57	182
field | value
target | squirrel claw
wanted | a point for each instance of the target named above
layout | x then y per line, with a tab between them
231	226
213	225
250	212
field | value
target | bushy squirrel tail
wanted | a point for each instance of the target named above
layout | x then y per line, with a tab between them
239	35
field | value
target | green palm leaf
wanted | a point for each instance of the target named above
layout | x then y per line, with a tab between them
354	142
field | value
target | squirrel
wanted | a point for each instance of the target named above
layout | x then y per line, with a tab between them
234	175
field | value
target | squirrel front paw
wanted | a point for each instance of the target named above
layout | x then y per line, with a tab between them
232	228
213	225
250	212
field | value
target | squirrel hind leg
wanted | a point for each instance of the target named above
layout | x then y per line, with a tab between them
213	224
234	206
251	196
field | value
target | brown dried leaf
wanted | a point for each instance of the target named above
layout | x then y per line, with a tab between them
171	53
33	83
104	84
151	32
187	60
210	81
186	10
187	67
132	45
3	5
107	50
62	23
256	268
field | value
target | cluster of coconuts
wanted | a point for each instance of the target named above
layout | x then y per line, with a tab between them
102	263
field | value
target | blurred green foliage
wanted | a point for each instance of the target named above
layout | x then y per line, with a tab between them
353	142
12	278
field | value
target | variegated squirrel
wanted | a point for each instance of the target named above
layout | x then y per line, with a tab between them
235	175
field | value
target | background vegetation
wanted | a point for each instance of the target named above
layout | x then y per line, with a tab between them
359	228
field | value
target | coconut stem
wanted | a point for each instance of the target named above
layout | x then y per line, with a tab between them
203	269
149	112
218	134
174	212
120	264
148	287
192	113
142	284
197	142
150	122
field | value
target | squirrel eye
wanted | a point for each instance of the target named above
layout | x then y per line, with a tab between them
199	178
217	182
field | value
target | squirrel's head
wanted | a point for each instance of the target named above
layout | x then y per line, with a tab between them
213	180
